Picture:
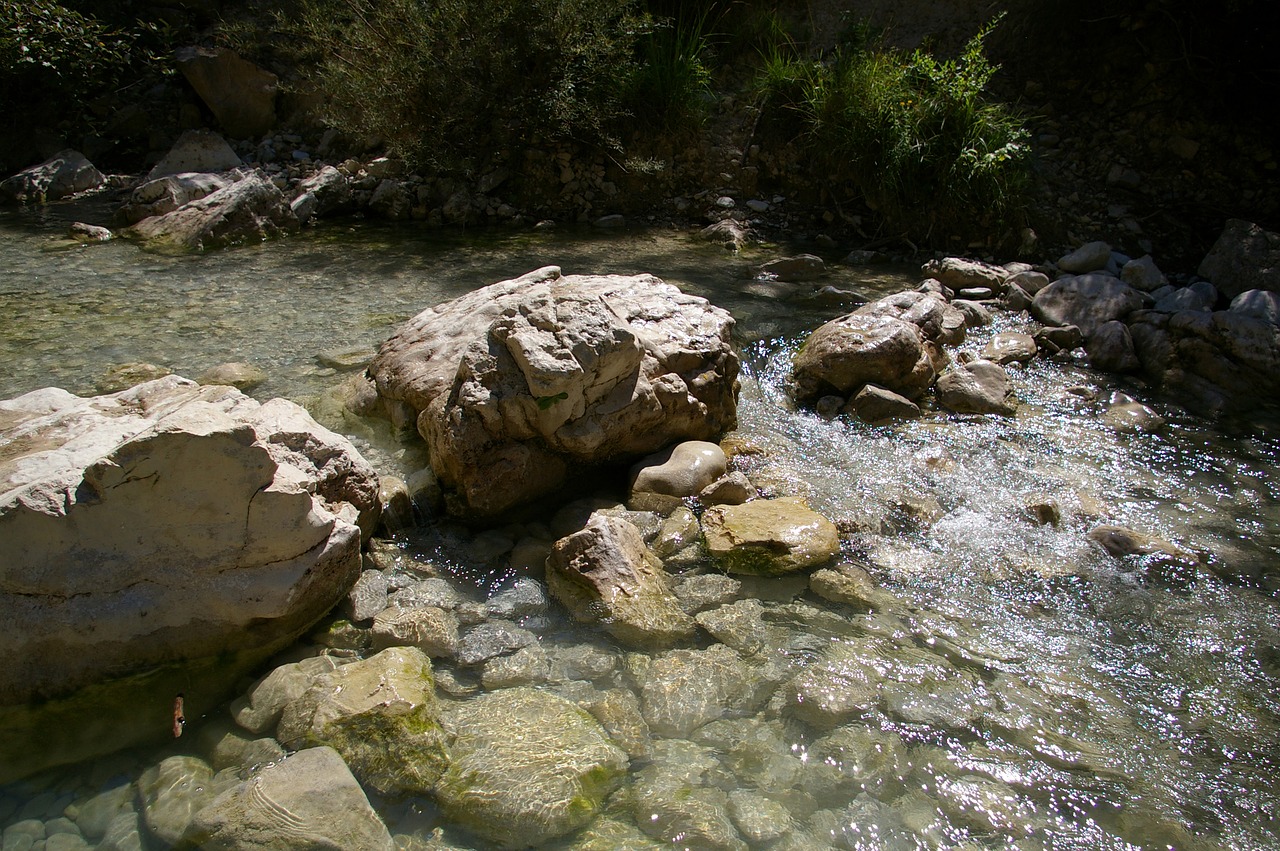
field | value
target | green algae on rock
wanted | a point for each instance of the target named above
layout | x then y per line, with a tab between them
526	767
769	537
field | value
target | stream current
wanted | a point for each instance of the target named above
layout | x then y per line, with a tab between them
1033	692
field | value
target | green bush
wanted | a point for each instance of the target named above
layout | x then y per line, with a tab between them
672	81
50	52
911	135
446	83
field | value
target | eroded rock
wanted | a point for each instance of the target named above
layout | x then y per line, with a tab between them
605	573
518	381
249	210
174	532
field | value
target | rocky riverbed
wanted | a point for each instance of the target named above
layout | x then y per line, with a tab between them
1030	602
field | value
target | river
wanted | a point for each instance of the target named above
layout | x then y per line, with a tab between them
1035	692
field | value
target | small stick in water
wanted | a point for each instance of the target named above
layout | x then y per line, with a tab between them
179	720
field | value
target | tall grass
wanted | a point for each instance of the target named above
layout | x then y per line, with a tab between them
671	85
911	135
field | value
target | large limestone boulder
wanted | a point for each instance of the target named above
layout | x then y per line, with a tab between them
241	95
527	767
306	800
1220	361
196	152
381	714
168	193
249	210
65	173
858	349
1085	301
516	383
769	536
1245	257
163	539
605	573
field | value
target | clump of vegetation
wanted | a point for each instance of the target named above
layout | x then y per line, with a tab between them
912	136
50	55
446	83
671	83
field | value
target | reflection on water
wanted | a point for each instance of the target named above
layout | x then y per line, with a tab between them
1023	689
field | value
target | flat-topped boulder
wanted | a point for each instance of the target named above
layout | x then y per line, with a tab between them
159	540
516	384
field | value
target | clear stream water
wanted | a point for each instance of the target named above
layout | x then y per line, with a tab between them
1034	692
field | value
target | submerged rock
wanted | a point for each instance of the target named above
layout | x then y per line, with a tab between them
681	690
605	573
305	801
516	383
675	800
380	714
769	536
527	767
163	539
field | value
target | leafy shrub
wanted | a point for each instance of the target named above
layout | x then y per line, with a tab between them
446	82
910	134
50	51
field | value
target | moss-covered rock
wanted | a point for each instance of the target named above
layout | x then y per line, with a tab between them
526	767
604	573
769	537
381	715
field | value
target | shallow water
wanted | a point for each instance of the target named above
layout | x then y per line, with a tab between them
1030	691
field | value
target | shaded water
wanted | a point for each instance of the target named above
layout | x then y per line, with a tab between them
1027	691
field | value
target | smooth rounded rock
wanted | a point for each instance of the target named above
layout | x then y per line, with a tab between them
769	536
682	470
978	387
